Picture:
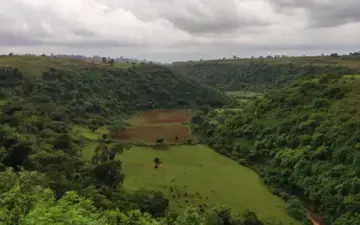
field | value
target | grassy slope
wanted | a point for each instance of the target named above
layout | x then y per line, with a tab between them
191	169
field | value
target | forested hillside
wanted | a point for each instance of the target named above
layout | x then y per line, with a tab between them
84	94
303	139
261	74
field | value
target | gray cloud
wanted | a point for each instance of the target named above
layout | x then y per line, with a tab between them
210	17
14	39
193	16
83	32
182	29
327	13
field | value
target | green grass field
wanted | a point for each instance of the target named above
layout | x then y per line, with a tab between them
198	175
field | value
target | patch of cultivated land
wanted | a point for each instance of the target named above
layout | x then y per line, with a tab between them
197	175
147	126
167	115
149	133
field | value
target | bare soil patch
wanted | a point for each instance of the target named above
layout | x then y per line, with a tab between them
150	125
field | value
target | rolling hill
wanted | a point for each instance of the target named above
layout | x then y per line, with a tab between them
65	89
261	74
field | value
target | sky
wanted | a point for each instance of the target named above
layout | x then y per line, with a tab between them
169	30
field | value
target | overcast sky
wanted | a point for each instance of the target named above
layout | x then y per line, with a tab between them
167	30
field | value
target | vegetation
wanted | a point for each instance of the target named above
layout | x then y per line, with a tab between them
25	201
303	140
261	74
97	96
64	159
46	103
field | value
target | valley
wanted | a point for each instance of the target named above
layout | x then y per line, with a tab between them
190	174
243	141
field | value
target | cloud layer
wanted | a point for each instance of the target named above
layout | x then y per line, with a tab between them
187	29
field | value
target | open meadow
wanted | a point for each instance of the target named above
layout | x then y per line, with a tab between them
197	175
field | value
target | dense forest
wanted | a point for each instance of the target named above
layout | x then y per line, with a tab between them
303	139
254	75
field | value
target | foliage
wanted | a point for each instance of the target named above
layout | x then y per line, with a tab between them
253	75
25	201
303	139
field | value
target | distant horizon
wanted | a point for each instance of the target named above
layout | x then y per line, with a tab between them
168	31
167	62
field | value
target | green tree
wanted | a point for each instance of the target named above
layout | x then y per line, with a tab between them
160	140
69	210
157	162
111	62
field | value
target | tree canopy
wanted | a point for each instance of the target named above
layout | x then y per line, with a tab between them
303	140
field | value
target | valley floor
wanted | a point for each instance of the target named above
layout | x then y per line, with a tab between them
192	174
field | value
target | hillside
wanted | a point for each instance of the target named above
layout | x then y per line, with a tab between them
73	90
303	140
261	74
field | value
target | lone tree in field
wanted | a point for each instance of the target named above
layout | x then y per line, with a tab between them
160	140
157	162
111	62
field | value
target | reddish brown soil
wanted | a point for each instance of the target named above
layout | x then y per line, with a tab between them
167	116
164	123
149	133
